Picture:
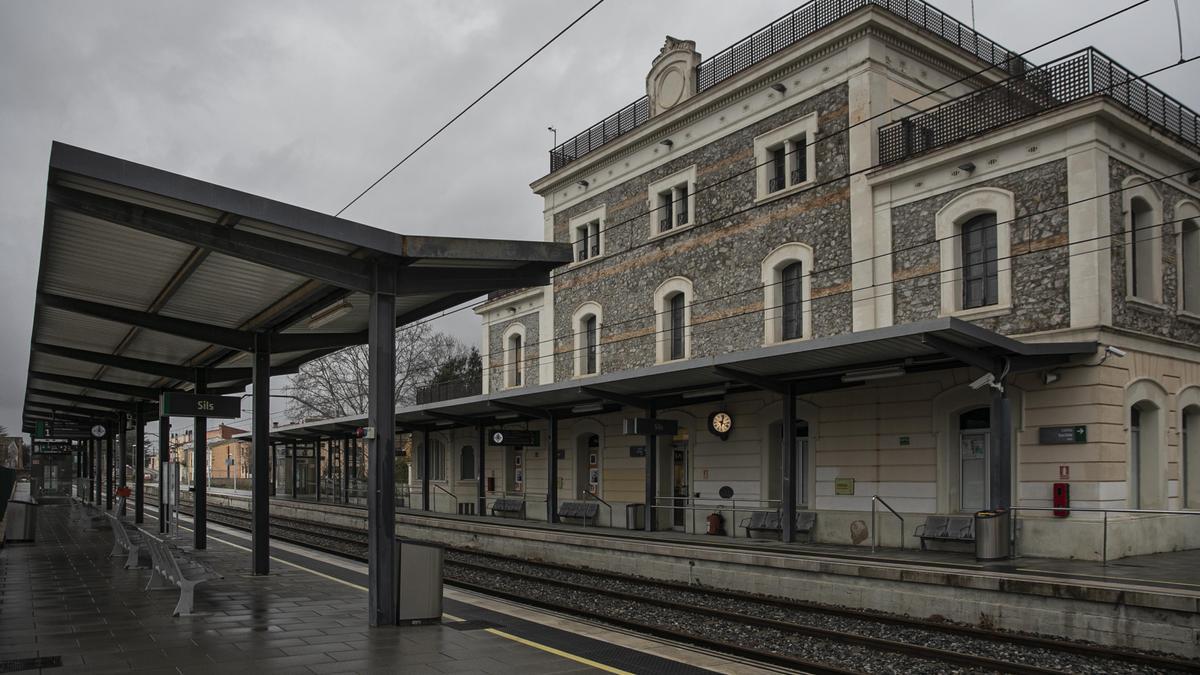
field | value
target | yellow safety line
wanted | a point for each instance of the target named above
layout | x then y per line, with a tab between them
558	652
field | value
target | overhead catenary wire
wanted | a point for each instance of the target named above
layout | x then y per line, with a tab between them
470	105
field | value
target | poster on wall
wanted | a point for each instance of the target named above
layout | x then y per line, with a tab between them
593	478
519	477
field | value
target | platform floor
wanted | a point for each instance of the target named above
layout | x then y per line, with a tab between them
66	607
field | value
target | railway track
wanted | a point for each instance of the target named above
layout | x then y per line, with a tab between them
767	628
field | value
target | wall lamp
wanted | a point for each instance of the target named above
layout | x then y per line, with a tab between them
1193	178
779	87
967	166
583	184
667	142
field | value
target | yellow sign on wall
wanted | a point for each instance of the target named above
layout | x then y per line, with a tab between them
843	486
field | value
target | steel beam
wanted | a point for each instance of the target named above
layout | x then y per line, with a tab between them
192	330
1000	457
113	361
481	475
417	280
164	456
298	342
970	357
527	411
623	399
200	462
787	510
260	430
332	268
112	404
139	467
425	457
114	387
459	419
651	472
552	469
381	476
758	381
108	470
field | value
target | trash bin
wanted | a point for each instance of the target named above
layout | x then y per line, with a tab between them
21	520
635	516
991	535
419	585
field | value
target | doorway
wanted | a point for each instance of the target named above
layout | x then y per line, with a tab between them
587	466
974	448
774	476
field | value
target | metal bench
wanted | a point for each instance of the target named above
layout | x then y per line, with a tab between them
172	567
585	511
509	507
769	521
123	542
946	528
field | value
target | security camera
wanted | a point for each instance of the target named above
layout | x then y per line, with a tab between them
1115	351
984	381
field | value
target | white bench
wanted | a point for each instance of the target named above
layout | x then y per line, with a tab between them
172	567
123	542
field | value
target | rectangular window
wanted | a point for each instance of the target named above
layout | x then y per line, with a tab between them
681	205
676	326
980	275
466	463
778	169
592	338
793	301
666	211
582	241
799	160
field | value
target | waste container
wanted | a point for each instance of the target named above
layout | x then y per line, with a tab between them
635	516
991	535
419	585
21	520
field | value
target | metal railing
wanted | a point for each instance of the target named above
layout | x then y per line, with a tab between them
877	498
1104	540
586	495
448	493
733	507
1071	78
445	391
777	36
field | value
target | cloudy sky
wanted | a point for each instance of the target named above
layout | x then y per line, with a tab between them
309	102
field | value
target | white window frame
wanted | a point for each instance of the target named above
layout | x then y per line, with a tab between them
662	323
1136	187
510	365
772	270
585	310
672	183
595	221
1146	471
949	222
1187	272
787	135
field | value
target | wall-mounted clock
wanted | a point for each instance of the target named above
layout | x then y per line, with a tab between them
720	423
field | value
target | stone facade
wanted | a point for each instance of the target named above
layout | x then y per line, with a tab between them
1040	279
721	253
496	356
1165	321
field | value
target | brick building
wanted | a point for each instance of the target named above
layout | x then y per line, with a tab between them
848	171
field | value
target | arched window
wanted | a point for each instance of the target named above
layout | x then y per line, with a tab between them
437	460
1189	444
980	284
586	321
974	234
787	287
673	307
1188	259
1143	241
514	355
466	463
1148	461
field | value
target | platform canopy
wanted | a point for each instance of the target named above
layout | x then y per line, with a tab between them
820	364
147	276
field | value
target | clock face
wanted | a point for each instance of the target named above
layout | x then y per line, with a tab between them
721	423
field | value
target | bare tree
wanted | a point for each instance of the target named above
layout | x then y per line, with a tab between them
335	385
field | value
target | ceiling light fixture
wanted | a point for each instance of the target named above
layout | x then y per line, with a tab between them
330	314
873	374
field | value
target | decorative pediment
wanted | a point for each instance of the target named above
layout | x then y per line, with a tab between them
672	77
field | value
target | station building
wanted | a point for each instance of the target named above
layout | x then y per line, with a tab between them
977	276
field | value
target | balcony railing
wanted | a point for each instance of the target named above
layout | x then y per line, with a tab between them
1069	79
444	391
776	37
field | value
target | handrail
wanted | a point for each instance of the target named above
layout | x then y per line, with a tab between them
877	498
587	493
1083	509
452	495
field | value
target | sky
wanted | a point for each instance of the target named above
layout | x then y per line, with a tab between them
309	102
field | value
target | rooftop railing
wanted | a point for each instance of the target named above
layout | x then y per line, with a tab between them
1061	82
776	37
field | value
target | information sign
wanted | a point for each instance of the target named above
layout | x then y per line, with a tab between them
648	426
177	404
1062	435
513	437
843	486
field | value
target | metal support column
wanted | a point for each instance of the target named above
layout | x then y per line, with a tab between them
1001	450
274	476
425	454
317	463
122	448
552	469
292	447
481	474
787	507
651	471
345	470
200	471
260	439
108	468
139	466
381	469
164	456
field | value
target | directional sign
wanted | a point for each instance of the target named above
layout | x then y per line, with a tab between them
647	426
1062	435
62	429
513	437
176	404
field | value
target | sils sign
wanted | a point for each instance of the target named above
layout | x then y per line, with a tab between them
648	426
513	437
176	404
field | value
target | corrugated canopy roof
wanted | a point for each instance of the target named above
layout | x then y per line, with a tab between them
147	275
809	366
